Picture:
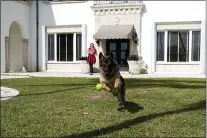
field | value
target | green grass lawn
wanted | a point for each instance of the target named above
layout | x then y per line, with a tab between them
69	107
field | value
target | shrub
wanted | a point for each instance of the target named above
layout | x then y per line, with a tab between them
83	58
133	58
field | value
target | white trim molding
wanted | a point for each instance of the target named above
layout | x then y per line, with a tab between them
116	9
154	49
64	2
64	29
84	40
24	2
203	48
194	25
74	47
43	49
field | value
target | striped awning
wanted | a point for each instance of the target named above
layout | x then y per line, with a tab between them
114	32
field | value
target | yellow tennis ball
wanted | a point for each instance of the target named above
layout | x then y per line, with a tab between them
99	86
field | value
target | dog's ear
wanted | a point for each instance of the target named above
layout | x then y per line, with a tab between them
111	55
101	56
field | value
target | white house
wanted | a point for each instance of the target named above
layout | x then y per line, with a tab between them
171	34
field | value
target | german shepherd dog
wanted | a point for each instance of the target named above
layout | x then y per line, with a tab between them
111	79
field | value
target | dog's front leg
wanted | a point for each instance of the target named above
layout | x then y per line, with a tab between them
121	96
106	88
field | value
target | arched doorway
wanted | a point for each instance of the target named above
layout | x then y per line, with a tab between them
15	49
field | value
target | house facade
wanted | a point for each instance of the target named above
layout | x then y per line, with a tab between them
169	35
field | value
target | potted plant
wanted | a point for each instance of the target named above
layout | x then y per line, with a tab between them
83	64
135	64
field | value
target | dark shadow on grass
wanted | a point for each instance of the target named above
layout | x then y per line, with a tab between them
133	107
166	80
151	85
138	120
164	83
51	92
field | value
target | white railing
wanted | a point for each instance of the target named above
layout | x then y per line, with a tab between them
100	2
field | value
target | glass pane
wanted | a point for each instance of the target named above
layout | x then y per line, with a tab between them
124	46
51	55
62	47
58	47
160	46
123	54
112	46
78	46
172	47
114	55
195	46
183	47
69	47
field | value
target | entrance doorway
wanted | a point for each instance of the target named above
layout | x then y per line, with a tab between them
120	49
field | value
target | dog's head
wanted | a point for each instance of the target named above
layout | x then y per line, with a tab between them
107	64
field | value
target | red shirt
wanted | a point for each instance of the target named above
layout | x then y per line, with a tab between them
92	50
91	57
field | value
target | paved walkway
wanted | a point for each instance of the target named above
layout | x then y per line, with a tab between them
7	93
96	75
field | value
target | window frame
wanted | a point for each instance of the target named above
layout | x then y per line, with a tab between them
166	40
55	48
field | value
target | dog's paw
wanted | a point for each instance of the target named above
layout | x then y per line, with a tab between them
107	89
121	107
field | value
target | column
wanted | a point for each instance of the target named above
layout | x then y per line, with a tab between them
74	47
139	35
7	55
44	53
25	53
203	48
84	40
153	48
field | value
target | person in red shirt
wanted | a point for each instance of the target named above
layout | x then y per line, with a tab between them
91	57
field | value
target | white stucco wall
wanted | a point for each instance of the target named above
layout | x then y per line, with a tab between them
8	15
168	11
156	11
65	14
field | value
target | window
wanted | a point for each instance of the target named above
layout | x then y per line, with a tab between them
78	45
195	45
51	54
61	47
177	50
177	44
160	46
64	47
